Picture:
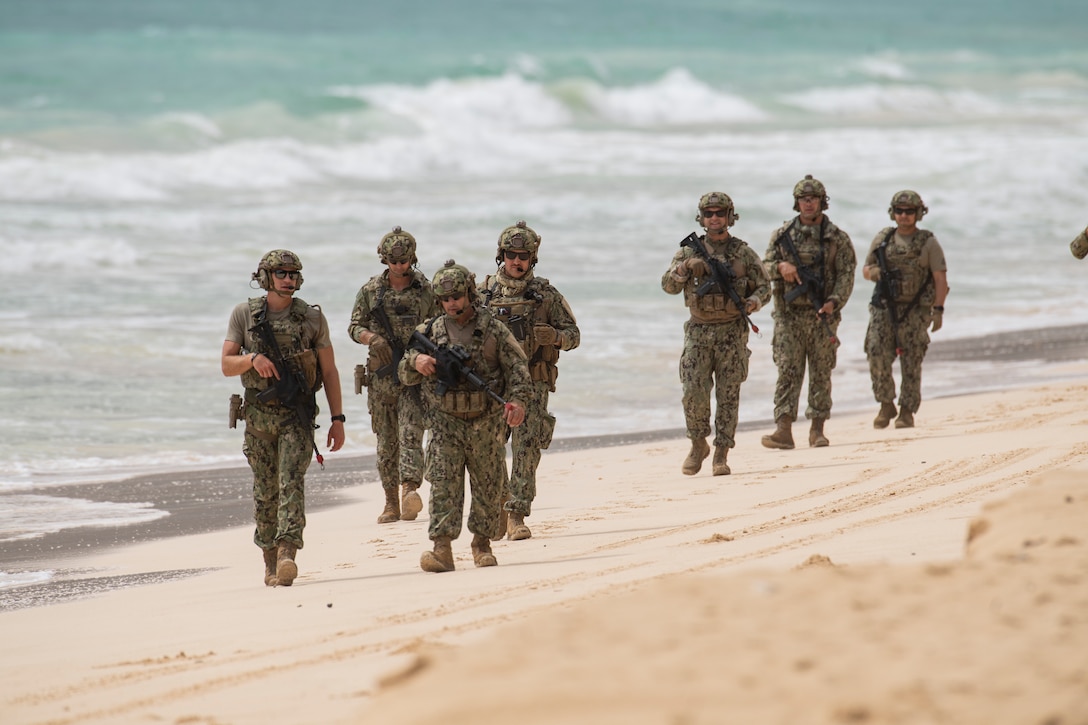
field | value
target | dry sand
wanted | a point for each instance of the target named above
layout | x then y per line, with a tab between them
834	585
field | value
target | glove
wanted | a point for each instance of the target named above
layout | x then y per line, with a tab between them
938	320
874	273
545	334
696	266
381	354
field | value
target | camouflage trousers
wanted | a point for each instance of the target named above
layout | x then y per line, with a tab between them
714	356
278	450
396	417
799	339
526	442
880	349
456	446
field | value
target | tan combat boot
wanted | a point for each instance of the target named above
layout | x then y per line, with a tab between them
481	551
721	468
816	437
441	559
410	503
887	412
270	579
286	569
517	528
905	419
782	438
699	451
391	512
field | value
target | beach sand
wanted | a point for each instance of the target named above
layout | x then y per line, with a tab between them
832	585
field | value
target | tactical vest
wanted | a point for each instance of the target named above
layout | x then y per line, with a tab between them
914	280
288	333
404	308
815	253
463	400
716	306
519	314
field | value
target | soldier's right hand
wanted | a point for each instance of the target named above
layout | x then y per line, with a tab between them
425	364
695	266
874	272
381	354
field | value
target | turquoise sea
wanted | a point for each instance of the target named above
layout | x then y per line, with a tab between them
152	150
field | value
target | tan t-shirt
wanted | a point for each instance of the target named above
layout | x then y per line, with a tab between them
315	329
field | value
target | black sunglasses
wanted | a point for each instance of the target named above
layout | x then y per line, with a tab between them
284	274
723	213
901	210
523	256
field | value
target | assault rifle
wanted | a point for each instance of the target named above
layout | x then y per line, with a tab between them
382	317
290	390
721	274
452	366
811	284
887	290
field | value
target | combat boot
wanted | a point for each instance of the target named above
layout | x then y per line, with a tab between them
441	559
286	569
270	579
392	507
517	530
905	419
410	503
887	412
721	468
782	438
816	437
699	451
481	551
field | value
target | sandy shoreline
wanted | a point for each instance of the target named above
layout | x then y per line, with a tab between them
643	596
210	500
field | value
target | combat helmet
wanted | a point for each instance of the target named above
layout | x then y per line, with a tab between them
453	278
277	259
720	200
809	186
907	198
517	238
397	246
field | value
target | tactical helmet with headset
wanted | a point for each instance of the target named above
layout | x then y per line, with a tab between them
518	238
720	200
397	246
907	198
452	279
809	186
277	259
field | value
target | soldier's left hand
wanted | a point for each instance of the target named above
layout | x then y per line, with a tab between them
752	305
336	436
513	414
544	334
938	320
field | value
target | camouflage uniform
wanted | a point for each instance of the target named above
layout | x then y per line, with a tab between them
1079	246
716	338
799	335
467	427
914	259
277	446
396	416
522	304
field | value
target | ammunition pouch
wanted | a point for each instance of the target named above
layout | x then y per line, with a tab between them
237	410
465	404
362	378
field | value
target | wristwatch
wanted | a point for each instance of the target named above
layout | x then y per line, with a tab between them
341	418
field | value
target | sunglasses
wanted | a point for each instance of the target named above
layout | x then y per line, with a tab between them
453	297
901	210
723	213
284	274
523	256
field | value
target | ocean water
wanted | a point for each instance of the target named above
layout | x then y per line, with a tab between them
151	152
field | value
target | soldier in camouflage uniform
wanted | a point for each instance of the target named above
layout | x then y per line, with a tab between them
1079	246
805	327
468	427
716	336
543	323
919	279
278	443
387	309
